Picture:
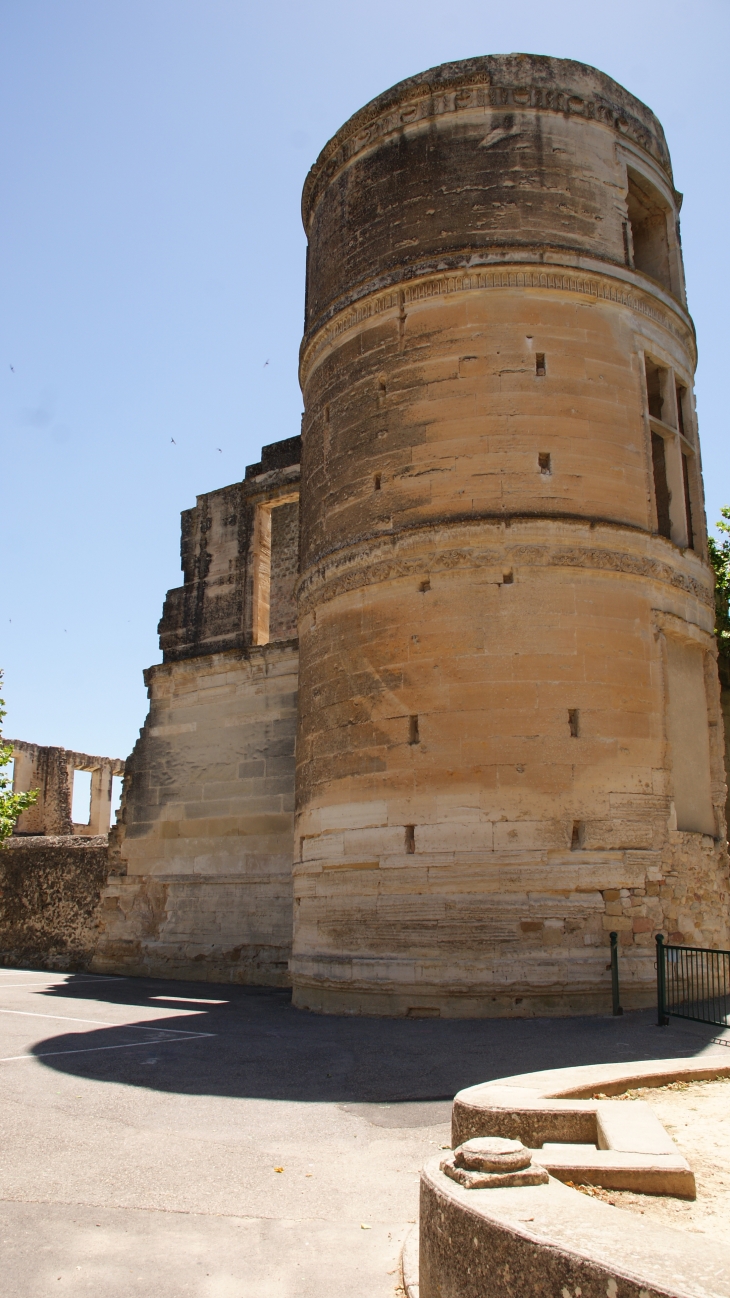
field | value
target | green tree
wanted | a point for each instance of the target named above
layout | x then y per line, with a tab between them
720	560
11	804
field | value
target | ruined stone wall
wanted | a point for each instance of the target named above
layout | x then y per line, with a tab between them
50	771
50	898
203	850
510	739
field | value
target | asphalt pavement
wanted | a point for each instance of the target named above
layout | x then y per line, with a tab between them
196	1140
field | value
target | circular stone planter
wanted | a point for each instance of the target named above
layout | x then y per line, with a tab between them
548	1239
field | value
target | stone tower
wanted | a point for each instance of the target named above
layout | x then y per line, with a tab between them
509	739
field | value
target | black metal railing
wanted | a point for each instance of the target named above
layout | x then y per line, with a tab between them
615	993
692	982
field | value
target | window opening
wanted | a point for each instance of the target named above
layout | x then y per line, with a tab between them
655	376
276	532
376	482
681	393
540	363
544	463
508	578
687	502
413	730
573	722
410	838
117	783
81	798
648	221
661	489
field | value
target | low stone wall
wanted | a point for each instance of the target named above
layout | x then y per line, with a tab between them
533	1240
50	893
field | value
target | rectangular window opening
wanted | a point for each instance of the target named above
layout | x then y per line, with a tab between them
81	798
688	503
508	578
275	569
647	214
661	489
574	722
377	482
117	782
545	463
413	730
540	363
655	379
577	836
410	838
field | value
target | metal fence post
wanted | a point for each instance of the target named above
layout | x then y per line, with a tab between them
614	974
662	1017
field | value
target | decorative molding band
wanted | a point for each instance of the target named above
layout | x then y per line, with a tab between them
596	287
388	559
482	94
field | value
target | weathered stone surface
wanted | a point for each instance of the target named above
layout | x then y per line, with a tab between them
489	1162
50	771
509	709
202	854
549	1239
50	898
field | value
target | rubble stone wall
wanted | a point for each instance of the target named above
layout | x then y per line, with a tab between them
50	898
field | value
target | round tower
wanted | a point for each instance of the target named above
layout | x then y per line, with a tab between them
510	741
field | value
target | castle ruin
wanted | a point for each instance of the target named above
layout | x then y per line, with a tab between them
452	653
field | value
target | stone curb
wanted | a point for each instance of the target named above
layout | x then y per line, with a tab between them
409	1263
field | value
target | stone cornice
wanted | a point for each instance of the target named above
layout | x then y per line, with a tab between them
615	285
521	82
444	546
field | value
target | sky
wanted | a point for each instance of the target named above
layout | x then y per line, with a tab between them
152	155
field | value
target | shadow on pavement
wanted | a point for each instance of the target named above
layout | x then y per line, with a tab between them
258	1046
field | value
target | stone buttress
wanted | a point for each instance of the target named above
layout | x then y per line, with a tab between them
201	859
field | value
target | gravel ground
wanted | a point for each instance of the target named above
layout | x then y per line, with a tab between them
697	1117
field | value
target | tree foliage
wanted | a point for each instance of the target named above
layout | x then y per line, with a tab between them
11	804
720	560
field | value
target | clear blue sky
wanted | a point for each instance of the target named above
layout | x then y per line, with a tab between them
152	260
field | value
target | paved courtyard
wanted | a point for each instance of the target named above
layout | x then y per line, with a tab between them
166	1139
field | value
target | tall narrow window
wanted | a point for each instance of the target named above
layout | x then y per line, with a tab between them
681	394
655	388
661	490
687	502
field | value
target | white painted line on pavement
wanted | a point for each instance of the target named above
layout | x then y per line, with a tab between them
57	979
98	1023
92	1050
